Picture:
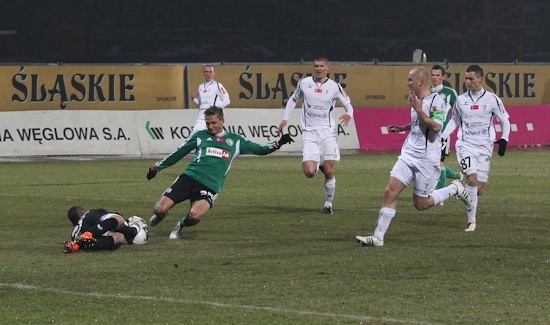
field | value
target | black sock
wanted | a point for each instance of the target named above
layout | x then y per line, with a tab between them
188	222
106	225
101	243
129	233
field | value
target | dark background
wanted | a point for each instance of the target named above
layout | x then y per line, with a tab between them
122	31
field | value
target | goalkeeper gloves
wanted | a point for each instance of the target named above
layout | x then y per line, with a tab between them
501	146
284	140
152	172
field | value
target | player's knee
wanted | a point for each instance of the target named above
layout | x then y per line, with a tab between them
161	207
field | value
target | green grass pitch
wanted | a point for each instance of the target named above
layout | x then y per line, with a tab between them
265	254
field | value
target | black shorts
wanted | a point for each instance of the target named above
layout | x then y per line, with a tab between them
187	188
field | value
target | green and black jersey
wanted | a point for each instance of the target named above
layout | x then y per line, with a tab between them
213	156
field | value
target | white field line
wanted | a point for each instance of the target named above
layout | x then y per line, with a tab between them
217	304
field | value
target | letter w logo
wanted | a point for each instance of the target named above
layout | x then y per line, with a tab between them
154	132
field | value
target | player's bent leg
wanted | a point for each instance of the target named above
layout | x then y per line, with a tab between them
196	213
161	210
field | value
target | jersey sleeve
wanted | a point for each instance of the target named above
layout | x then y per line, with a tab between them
252	148
344	99
179	153
223	97
292	100
503	117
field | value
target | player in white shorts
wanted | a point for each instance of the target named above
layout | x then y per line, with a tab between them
419	160
210	93
319	134
473	114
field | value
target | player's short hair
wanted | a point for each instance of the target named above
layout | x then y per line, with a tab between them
214	111
439	67
74	214
321	58
476	69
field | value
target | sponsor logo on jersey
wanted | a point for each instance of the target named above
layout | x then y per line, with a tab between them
474	107
219	139
318	90
217	152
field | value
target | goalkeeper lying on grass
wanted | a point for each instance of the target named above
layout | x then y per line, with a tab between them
99	229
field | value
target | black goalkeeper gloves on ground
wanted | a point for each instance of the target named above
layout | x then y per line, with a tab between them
284	140
501	146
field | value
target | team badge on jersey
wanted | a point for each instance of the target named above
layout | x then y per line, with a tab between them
229	142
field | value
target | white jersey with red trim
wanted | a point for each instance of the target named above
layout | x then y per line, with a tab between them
423	144
318	103
211	94
473	115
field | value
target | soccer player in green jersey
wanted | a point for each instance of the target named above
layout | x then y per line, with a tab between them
449	96
202	180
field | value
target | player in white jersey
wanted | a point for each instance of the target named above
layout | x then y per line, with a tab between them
210	93
319	130
418	162
449	96
473	114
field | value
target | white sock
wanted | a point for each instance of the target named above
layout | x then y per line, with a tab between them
330	188
472	209
442	194
384	219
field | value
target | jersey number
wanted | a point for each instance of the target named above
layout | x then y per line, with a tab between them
465	163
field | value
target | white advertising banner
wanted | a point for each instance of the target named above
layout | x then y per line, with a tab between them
48	133
162	131
138	133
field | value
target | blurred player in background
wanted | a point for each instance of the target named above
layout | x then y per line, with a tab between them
419	160
99	229
473	114
449	96
203	179
319	138
210	93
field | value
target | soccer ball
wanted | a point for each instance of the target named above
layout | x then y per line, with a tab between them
143	234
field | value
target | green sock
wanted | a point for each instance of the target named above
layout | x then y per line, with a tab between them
442	179
451	174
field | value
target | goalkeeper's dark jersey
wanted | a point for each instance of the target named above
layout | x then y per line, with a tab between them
90	220
213	156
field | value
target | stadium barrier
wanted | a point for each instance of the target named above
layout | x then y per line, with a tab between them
137	133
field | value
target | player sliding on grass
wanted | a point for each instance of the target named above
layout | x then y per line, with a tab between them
204	176
418	162
99	229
